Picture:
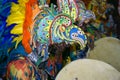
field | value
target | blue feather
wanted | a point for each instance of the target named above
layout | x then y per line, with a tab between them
15	1
7	50
6	36
3	60
9	28
6	1
5	9
3	1
2	28
2	18
18	52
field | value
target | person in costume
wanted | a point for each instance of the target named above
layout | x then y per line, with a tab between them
37	27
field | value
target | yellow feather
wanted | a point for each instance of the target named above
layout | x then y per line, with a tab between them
18	20
17	16
17	40
14	7
22	1
17	29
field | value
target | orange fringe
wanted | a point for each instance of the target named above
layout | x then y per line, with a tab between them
32	9
26	26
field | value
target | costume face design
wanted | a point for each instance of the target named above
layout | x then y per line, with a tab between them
56	26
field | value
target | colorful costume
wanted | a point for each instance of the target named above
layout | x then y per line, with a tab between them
36	26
